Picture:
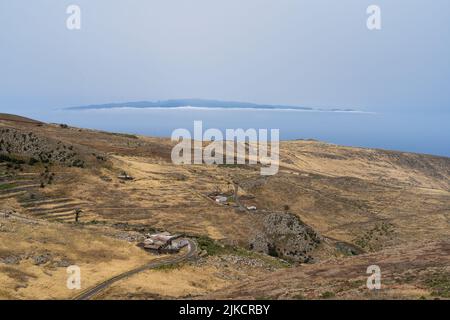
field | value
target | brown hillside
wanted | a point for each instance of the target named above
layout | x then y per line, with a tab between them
326	206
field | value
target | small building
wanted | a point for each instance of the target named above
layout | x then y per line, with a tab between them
125	176
221	199
251	208
164	242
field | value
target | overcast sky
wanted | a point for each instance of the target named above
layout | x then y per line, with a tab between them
300	52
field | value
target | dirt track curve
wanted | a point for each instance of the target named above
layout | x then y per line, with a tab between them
93	291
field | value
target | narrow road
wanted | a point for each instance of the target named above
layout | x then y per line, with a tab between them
93	291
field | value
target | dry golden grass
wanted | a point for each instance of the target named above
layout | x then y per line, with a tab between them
171	283
98	256
191	279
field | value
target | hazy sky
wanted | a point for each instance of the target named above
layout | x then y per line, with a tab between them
300	52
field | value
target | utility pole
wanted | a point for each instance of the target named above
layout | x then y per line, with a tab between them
236	194
234	180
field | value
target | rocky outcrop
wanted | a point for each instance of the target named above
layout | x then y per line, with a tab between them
33	148
285	236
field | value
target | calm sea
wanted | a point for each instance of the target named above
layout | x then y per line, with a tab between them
413	132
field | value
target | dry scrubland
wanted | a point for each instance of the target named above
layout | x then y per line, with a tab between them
37	254
329	213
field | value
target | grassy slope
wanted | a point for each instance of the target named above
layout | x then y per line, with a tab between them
15	118
373	198
410	271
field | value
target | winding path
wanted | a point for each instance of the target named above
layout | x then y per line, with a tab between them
93	291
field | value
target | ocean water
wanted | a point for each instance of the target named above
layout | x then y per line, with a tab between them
413	132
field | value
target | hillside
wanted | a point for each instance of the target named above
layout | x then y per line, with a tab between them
407	272
328	208
15	118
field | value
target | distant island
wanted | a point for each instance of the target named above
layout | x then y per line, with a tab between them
202	103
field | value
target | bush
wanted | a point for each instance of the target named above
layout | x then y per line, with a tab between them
6	186
210	246
327	295
440	284
11	159
78	163
32	161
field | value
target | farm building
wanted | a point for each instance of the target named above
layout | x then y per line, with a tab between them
221	199
164	242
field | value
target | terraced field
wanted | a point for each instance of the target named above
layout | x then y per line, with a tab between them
27	189
13	186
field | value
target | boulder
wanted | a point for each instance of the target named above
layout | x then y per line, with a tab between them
285	236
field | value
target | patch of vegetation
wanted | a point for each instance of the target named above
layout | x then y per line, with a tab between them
212	247
299	296
16	274
142	228
94	222
356	283
237	166
373	239
124	135
273	250
78	163
343	286
11	159
272	261
32	161
127	135
168	267
15	161
7	186
327	295
348	249
439	283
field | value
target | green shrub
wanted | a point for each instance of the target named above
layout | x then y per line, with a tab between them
440	284
6	186
167	267
211	246
327	295
11	159
32	161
